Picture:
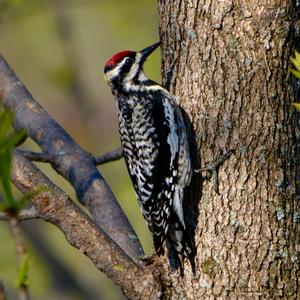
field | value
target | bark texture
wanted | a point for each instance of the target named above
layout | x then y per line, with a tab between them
230	74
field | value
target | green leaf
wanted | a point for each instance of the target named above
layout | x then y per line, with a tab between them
296	63
5	165
297	55
296	105
296	73
7	143
6	120
22	279
12	140
2	206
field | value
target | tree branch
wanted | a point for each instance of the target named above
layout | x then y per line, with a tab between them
2	291
26	214
36	156
54	206
109	156
98	160
69	160
21	252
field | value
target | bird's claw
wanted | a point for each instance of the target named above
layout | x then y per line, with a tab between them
213	169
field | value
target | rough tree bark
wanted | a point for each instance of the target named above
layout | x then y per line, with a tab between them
230	65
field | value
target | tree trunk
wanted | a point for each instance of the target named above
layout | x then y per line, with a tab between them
230	73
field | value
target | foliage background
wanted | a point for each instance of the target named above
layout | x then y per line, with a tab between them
49	61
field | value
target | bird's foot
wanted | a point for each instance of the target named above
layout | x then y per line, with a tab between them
213	169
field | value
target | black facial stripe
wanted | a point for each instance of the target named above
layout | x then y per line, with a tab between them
127	65
129	61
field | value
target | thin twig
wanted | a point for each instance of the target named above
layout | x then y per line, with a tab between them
26	214
2	291
109	156
99	160
20	251
36	156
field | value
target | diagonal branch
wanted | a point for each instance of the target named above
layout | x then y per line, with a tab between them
69	160
54	206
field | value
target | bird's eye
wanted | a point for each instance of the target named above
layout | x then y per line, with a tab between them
128	61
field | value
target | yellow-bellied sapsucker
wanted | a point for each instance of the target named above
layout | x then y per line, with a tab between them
156	150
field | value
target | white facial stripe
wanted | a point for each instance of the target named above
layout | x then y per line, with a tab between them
142	76
110	75
134	68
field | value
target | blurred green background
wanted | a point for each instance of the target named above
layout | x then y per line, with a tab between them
58	49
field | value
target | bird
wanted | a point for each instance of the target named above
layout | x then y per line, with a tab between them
156	150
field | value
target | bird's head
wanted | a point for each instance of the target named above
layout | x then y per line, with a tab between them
127	66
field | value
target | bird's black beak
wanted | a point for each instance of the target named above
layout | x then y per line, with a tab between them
147	51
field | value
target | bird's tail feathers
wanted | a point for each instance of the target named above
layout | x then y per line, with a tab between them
180	246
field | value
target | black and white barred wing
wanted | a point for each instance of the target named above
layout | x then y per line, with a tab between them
141	151
154	152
